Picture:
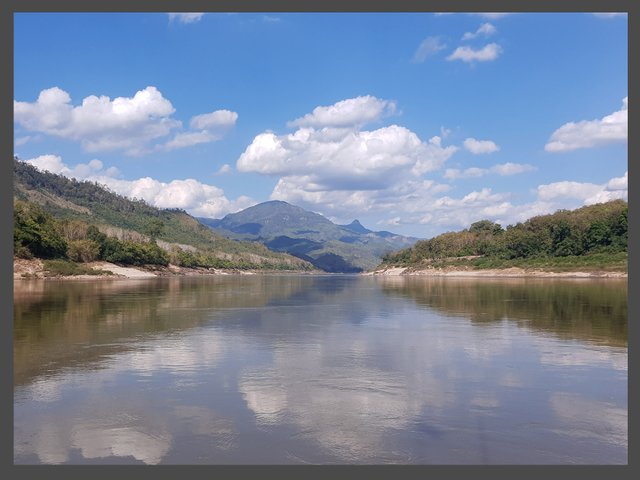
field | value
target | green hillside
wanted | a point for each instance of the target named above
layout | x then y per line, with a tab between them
310	236
591	237
60	203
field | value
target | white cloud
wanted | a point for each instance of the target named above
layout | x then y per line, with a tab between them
346	160
352	112
609	14
467	54
429	46
54	164
400	198
480	146
502	169
99	123
214	120
453	213
485	30
454	173
22	140
131	124
197	198
619	183
587	193
224	169
590	133
205	128
489	15
509	168
566	189
186	17
493	15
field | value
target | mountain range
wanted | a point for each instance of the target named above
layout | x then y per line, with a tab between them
283	227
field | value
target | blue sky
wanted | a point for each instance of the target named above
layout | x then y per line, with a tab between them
416	123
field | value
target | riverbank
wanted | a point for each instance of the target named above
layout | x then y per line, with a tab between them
24	269
35	268
501	272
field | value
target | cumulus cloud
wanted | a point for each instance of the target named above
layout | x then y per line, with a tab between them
54	164
100	123
185	17
590	133
485	54
485	30
345	159
197	198
587	193
619	183
438	213
480	146
352	112
131	124
566	189
205	128
502	169
429	46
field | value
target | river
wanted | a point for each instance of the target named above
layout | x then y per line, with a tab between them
320	369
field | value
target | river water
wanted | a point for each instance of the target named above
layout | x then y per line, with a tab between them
331	369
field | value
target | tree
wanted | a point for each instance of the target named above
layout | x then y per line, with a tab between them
598	235
566	240
36	233
486	226
154	228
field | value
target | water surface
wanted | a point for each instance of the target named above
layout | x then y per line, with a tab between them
320	369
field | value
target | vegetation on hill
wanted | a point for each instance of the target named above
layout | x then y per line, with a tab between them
310	236
59	218
592	236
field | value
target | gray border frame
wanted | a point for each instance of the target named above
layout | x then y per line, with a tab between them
8	7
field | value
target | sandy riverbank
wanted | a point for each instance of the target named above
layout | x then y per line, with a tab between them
29	269
506	272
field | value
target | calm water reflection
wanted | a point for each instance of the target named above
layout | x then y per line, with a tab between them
320	369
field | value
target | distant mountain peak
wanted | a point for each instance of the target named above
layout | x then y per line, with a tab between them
310	236
356	227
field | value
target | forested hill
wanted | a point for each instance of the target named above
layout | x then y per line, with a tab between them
595	233
330	247
43	200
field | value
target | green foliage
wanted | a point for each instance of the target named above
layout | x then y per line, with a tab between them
154	228
60	267
134	253
486	226
35	232
83	250
601	228
80	206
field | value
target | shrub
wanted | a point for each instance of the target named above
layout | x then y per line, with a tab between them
83	250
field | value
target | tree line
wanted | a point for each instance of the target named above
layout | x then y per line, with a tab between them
601	228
